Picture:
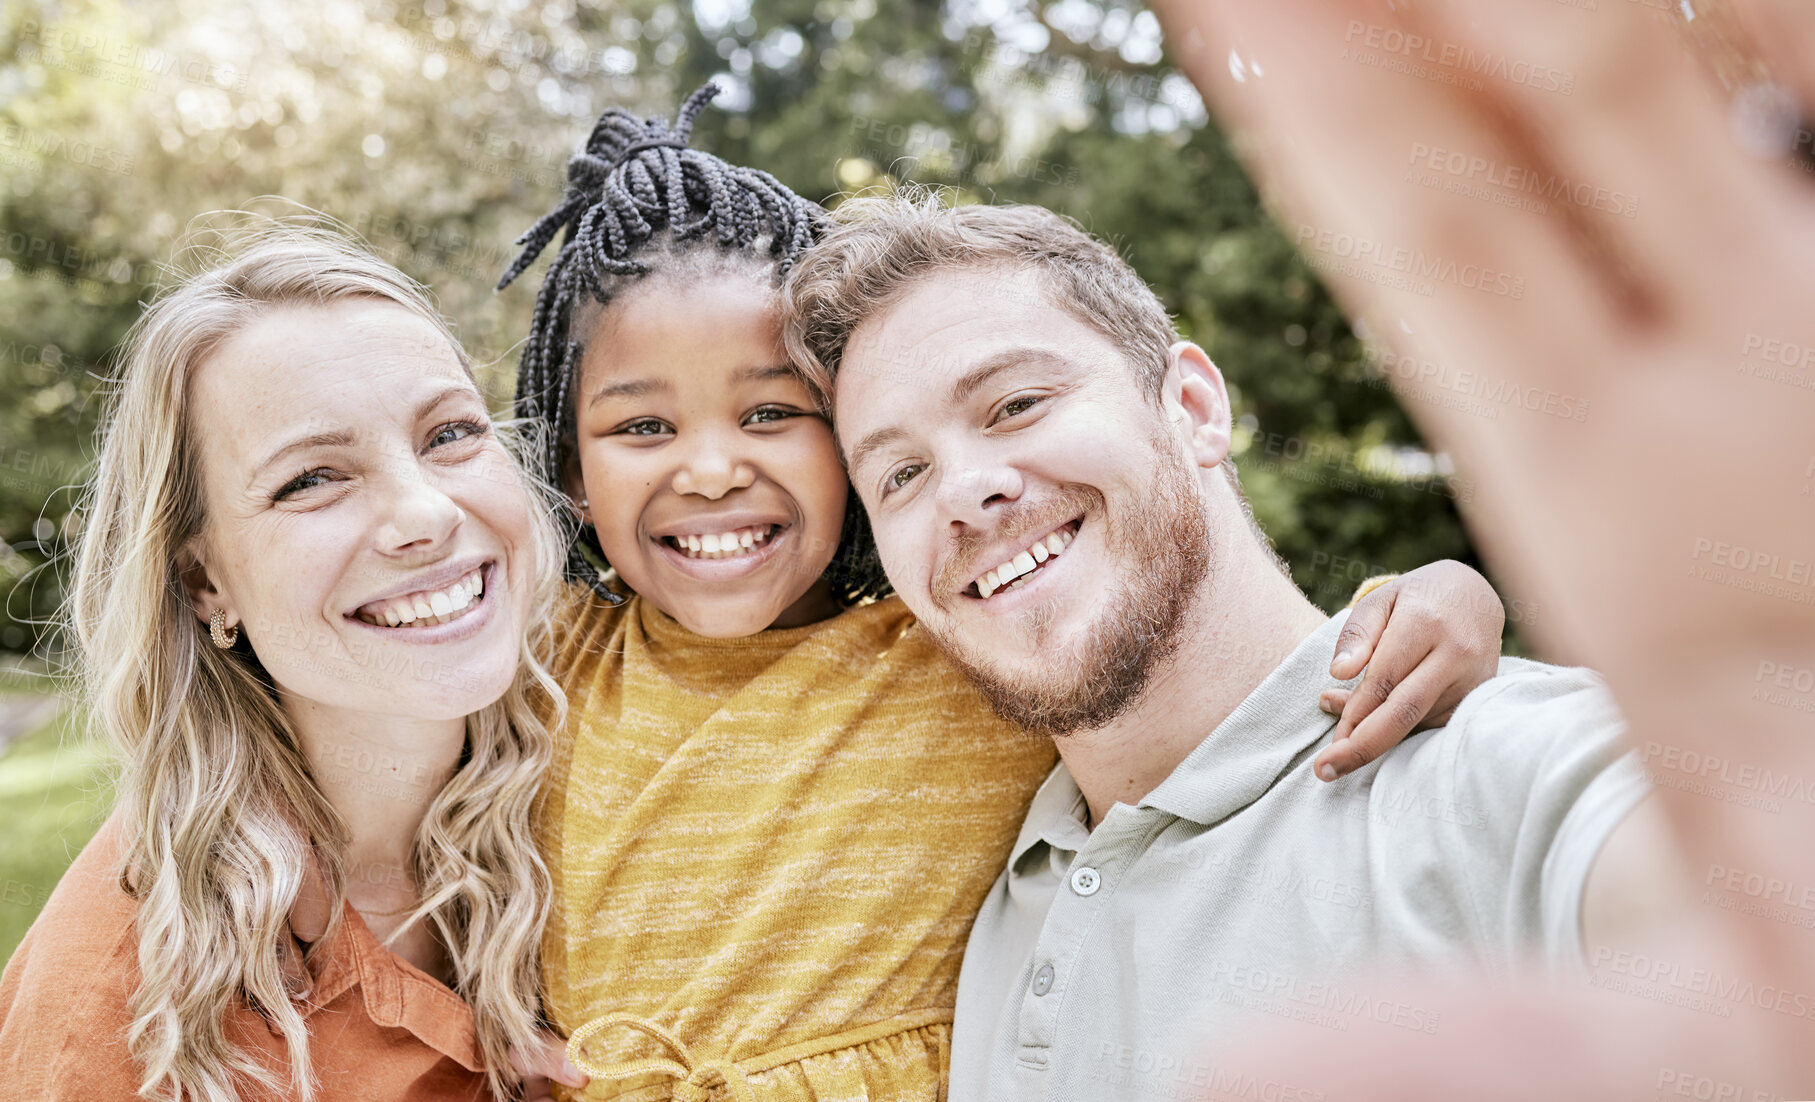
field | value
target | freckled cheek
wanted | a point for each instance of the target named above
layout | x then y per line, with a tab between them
285	615
494	492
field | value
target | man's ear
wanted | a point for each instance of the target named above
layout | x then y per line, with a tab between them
199	584
1195	386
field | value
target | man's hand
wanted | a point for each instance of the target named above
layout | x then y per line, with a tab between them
1426	639
1608	213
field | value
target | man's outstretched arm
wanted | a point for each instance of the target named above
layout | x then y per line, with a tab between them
1657	288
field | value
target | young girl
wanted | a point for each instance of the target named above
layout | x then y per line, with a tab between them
776	808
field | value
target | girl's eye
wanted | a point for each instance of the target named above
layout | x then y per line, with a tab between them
648	426
765	415
307	480
1014	407
902	476
455	431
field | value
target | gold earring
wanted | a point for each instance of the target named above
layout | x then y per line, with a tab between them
217	627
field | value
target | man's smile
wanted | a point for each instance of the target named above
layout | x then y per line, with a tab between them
1017	569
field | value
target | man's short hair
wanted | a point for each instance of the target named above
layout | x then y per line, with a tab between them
879	246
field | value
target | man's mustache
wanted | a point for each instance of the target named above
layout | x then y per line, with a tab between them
960	560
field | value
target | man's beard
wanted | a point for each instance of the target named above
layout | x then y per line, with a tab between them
1160	550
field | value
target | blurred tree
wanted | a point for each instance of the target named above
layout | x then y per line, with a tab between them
439	129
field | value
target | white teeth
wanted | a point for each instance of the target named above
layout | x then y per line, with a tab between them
426	609
721	545
1013	572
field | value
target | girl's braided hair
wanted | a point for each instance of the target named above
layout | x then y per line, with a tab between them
639	197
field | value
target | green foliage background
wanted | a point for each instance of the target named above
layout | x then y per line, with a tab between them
439	129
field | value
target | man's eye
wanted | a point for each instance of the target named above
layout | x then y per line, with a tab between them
455	431
1014	407
648	426
903	476
307	480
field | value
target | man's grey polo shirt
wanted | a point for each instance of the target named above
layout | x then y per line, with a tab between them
1242	891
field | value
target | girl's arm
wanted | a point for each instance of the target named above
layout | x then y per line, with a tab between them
1425	639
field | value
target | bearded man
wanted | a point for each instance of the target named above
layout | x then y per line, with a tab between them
1003	385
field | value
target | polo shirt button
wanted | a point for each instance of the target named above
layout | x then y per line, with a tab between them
1043	980
1085	881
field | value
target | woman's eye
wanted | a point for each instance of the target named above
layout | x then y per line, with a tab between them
307	480
903	476
455	431
648	426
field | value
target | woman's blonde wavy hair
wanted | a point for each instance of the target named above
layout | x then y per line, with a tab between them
219	806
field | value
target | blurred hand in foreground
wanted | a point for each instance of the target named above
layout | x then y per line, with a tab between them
1611	210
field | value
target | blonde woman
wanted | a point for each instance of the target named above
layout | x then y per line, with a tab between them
309	597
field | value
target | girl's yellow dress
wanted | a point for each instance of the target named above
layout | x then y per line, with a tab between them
767	853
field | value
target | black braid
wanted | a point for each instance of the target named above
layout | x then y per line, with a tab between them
636	180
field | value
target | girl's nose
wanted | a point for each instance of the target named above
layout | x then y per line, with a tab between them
711	471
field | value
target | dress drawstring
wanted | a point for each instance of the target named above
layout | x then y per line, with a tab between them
696	1079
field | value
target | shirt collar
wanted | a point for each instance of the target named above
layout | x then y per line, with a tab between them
396	994
1259	741
401	996
1056	817
1229	770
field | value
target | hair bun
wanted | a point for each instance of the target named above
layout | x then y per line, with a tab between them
616	139
620	135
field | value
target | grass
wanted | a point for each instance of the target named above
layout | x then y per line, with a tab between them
54	794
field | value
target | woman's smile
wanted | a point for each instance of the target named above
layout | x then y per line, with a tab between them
434	611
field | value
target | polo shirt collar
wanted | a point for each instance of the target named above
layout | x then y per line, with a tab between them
1056	817
1229	770
1259	741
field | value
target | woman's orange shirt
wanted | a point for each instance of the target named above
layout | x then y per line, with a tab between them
379	1027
